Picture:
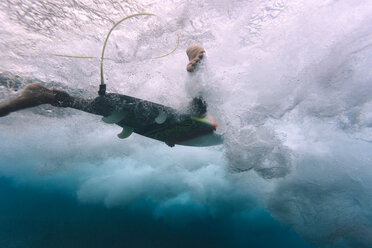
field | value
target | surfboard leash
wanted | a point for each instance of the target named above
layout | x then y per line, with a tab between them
102	86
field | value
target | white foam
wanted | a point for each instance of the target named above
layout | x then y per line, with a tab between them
287	82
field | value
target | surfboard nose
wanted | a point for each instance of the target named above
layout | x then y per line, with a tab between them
202	134
212	139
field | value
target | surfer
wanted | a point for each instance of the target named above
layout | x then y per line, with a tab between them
35	94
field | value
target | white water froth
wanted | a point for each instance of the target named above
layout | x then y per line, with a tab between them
288	82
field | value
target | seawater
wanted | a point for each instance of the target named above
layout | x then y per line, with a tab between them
288	82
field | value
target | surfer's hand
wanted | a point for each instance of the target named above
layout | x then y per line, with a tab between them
195	54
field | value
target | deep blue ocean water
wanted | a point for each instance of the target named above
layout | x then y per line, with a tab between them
288	82
37	218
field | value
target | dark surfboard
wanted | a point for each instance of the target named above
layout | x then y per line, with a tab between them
156	121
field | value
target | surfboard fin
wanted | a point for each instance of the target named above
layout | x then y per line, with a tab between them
162	117
127	131
115	117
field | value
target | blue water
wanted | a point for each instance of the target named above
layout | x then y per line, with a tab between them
288	82
39	218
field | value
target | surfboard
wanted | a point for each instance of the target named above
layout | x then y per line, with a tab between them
156	121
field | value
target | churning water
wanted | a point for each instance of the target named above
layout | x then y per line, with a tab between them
288	82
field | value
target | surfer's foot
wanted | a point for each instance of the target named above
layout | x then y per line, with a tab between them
4	109
33	95
195	53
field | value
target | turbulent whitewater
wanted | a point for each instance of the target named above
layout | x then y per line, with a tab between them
288	82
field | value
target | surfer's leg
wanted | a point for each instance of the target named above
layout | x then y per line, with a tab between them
35	94
64	100
195	53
